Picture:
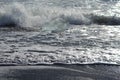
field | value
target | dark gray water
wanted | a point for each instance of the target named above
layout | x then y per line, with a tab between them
59	31
71	72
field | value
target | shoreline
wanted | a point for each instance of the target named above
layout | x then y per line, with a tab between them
60	64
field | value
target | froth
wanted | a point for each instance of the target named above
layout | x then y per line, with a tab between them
21	15
14	14
49	18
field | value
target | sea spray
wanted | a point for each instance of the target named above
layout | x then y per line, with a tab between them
14	14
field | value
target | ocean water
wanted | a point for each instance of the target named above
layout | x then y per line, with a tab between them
59	31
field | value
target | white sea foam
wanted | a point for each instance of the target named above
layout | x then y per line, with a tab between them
35	16
69	32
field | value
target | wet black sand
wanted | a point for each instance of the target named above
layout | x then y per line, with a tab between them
60	72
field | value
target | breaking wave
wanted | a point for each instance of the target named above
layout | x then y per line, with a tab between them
93	19
14	16
86	33
17	15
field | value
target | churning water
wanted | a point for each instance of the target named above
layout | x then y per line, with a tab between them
59	31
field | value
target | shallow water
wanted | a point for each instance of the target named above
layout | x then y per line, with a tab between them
86	44
68	32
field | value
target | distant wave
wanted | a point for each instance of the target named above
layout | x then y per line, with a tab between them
105	20
93	19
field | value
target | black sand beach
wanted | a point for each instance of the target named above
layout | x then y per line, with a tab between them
63	72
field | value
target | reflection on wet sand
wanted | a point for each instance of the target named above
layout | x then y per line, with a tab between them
71	72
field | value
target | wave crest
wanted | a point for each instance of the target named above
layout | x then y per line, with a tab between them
14	15
18	15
